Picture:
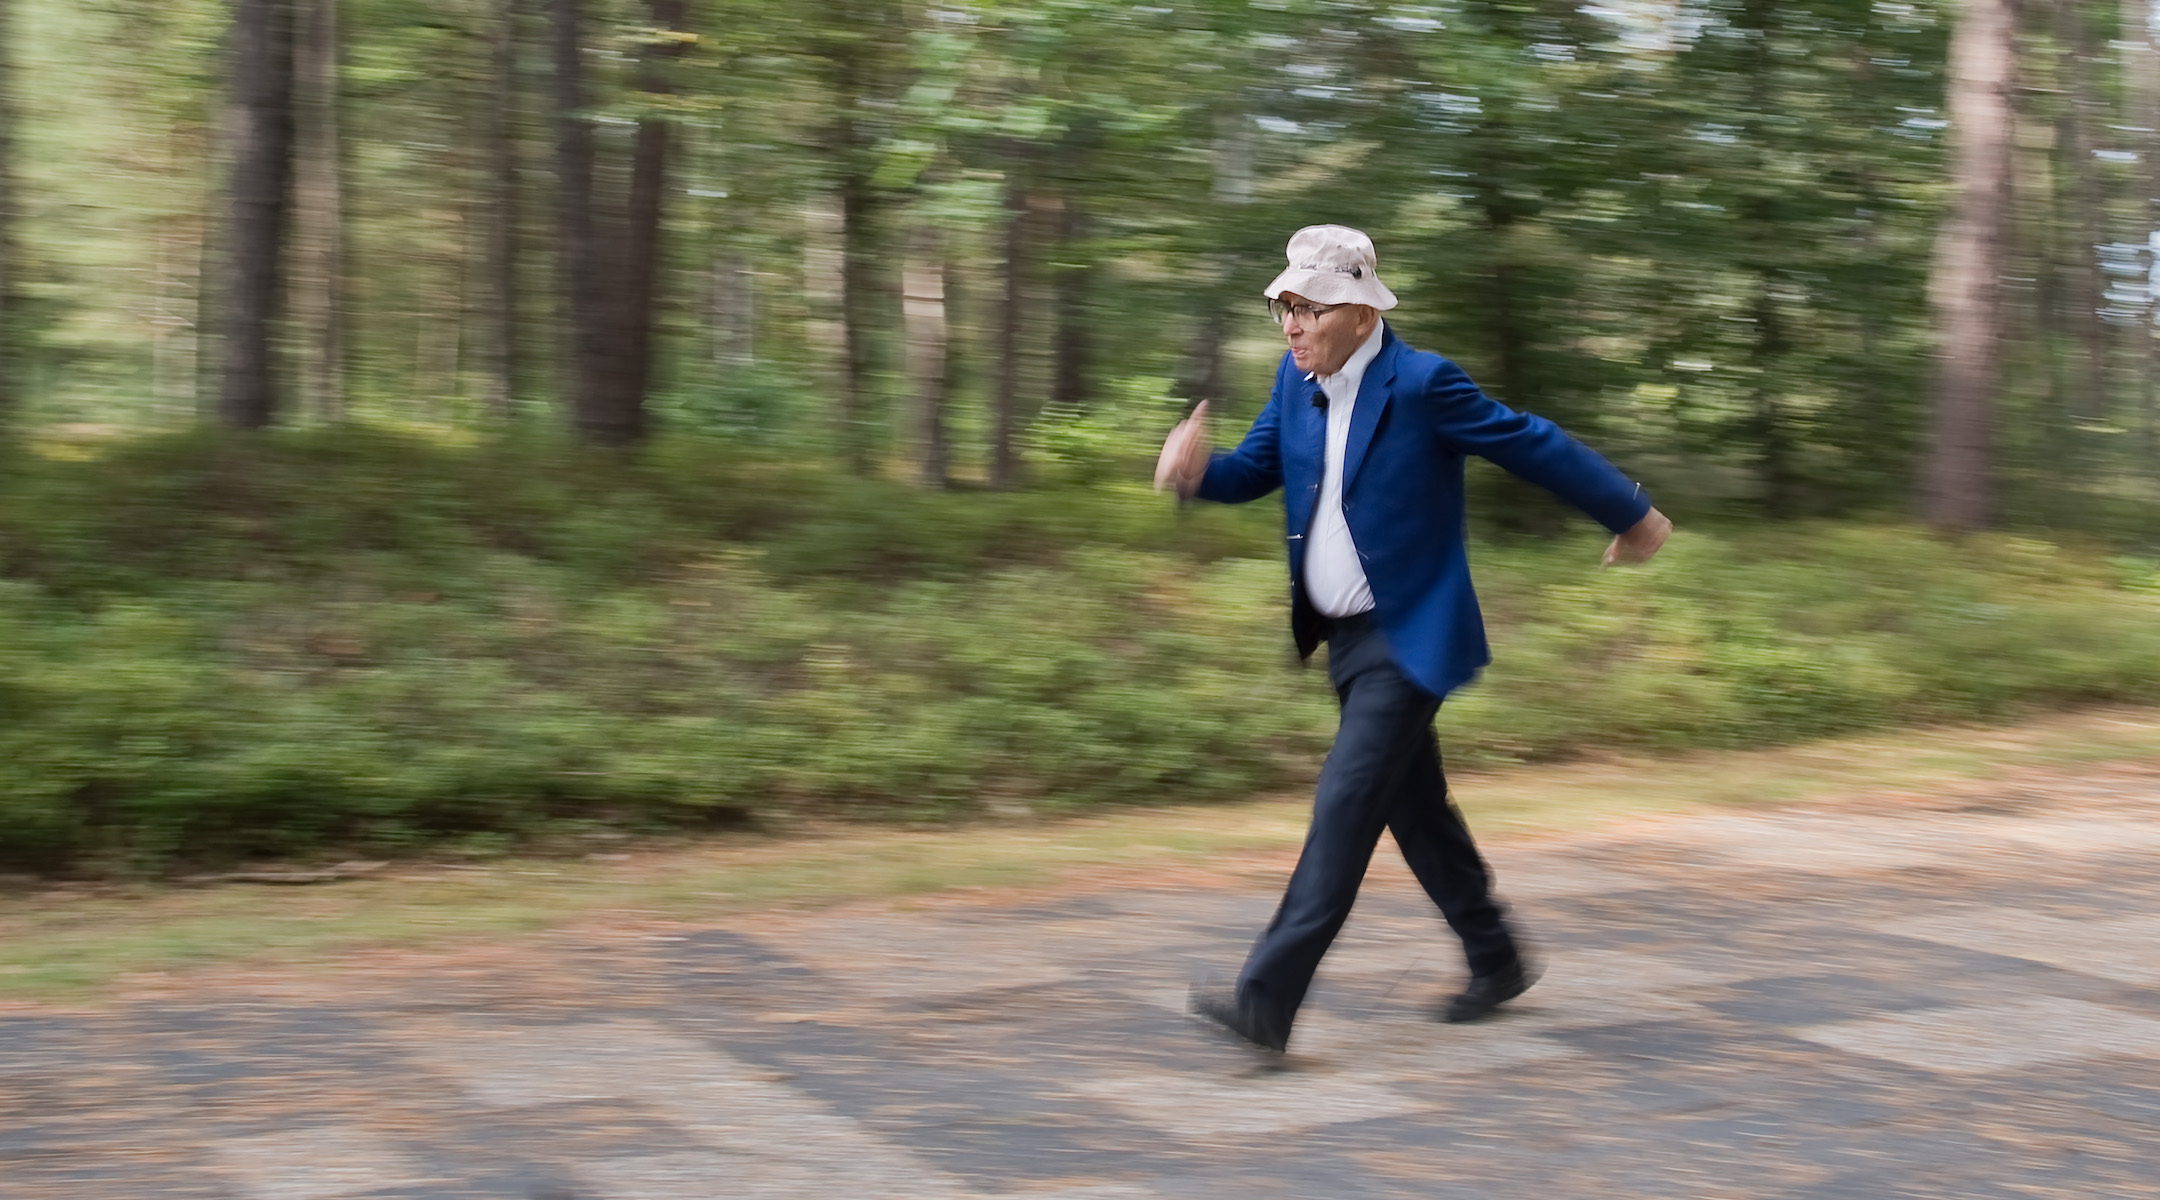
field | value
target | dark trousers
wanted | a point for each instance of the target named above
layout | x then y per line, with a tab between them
1384	770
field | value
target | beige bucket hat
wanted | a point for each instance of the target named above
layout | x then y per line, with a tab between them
1332	264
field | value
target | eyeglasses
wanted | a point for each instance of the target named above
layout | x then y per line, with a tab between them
1283	310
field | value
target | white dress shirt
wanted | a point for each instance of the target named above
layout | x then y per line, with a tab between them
1334	578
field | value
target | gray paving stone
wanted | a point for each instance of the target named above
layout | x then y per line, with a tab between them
1787	1000
1979	1039
323	1162
1913	1001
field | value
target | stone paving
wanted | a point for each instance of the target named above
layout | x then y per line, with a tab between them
1942	996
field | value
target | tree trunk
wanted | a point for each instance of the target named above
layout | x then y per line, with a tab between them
11	331
209	287
2086	283
1965	285
501	349
2064	222
585	305
1515	504
320	208
261	199
1503	312
953	277
611	269
858	286
637	295
1773	442
853	67
928	348
1005	417
1761	221
211	251
1071	387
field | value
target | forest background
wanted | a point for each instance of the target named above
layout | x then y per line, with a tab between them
452	423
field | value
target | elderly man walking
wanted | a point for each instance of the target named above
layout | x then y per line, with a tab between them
1366	438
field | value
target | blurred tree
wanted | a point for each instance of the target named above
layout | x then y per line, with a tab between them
10	314
926	295
262	166
1012	317
1966	290
1201	373
611	247
637	294
506	101
215	224
594	406
1073	351
1700	234
856	47
2141	30
320	206
2080	217
1760	203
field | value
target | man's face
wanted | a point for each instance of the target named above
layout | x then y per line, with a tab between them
1324	343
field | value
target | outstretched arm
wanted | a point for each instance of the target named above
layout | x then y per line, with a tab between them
1538	450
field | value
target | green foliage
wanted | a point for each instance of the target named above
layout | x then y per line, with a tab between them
330	641
1698	235
1799	632
1118	434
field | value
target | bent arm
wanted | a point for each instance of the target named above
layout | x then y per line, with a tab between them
1253	469
1535	449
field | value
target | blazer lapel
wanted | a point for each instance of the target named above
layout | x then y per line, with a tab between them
1311	424
1306	445
1372	401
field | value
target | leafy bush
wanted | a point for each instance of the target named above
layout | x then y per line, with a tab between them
217	647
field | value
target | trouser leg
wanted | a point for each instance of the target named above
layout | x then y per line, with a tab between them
1437	845
1383	718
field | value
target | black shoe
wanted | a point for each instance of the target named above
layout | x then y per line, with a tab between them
1247	1021
1486	993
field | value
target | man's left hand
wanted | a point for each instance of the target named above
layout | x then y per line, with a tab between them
1640	541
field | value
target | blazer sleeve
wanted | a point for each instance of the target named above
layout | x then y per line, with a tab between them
1534	448
1253	469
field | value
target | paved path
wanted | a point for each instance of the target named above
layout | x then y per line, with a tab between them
1951	996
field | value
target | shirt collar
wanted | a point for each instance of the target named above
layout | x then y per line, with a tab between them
1342	386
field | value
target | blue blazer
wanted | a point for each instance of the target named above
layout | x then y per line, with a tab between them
1417	415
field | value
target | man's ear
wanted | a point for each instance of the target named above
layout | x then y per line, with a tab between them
1367	317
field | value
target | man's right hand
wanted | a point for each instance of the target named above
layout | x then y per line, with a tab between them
1184	457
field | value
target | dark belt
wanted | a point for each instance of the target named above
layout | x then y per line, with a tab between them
1352	625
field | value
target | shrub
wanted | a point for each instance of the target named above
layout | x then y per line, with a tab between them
223	647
